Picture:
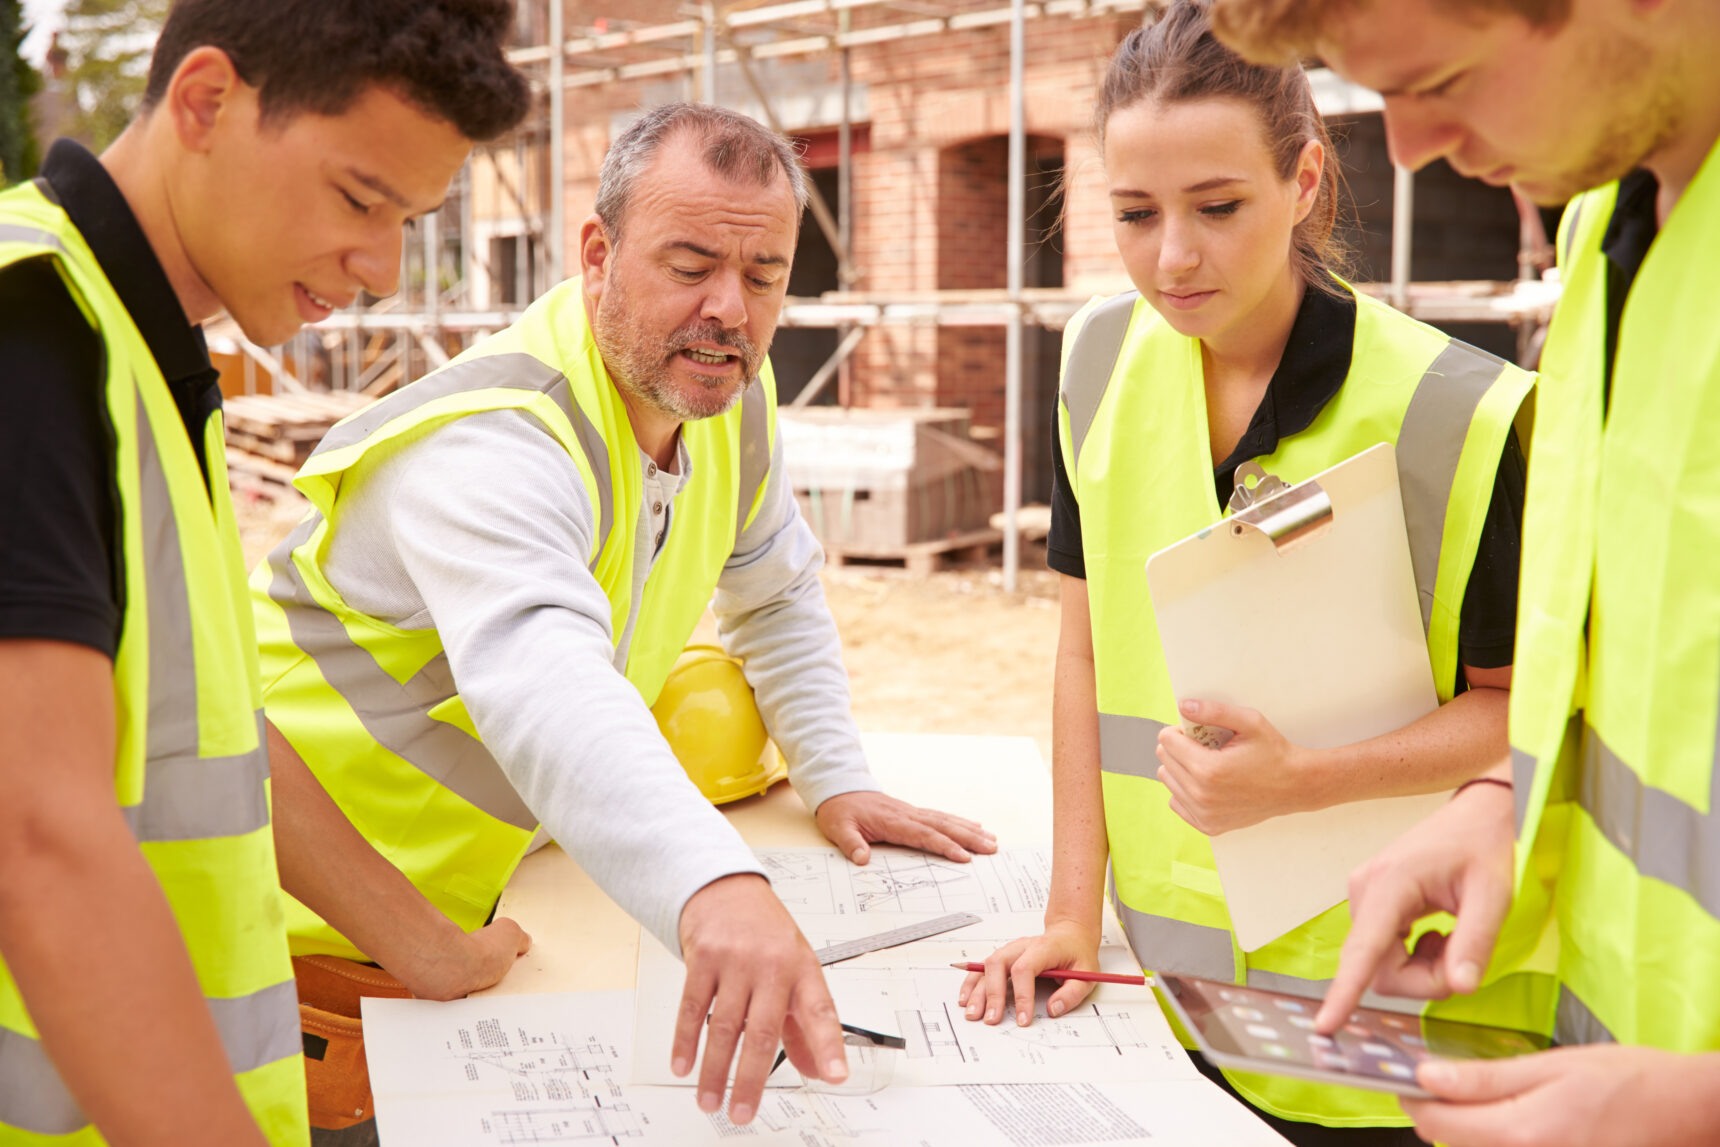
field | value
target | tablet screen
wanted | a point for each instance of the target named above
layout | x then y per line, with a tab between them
1254	1024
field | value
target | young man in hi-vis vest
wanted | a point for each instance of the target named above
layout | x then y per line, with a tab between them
1612	792
145	991
507	557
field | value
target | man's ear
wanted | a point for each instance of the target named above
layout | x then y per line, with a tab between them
596	249
204	85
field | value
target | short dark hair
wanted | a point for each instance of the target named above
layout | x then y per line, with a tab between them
446	56
735	145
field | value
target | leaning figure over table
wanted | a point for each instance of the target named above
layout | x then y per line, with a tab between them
506	559
1242	344
1613	784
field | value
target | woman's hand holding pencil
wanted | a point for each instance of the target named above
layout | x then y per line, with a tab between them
1064	947
1067	974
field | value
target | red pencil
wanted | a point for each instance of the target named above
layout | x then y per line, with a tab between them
1068	974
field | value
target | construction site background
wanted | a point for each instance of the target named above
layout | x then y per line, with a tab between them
892	360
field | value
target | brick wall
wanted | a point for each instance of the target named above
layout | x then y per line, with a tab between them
930	195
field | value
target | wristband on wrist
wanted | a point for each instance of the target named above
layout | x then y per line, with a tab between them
1504	784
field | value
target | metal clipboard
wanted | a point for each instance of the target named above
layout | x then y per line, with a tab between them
1302	605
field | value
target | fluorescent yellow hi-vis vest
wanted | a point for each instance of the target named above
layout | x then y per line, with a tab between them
1622	534
1135	444
190	767
374	709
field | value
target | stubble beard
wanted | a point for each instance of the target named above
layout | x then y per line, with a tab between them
642	366
1636	127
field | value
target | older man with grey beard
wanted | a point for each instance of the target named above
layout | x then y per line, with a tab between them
508	555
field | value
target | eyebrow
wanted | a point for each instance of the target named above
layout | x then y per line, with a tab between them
704	253
1193	189
385	189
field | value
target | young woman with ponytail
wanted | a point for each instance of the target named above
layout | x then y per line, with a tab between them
1242	343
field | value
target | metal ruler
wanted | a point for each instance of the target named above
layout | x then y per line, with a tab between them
906	934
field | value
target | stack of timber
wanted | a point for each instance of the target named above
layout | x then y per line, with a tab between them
269	436
900	486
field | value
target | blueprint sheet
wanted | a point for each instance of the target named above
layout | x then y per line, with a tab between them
833	899
551	1069
1117	1034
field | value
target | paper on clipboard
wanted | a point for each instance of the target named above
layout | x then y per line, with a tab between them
1324	638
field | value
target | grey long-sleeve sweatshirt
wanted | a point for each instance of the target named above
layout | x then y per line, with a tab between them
483	530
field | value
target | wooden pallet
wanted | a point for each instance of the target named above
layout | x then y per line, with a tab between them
286	427
270	436
919	557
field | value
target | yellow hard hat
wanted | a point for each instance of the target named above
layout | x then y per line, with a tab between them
708	715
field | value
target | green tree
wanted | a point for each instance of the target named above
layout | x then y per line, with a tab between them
108	44
18	82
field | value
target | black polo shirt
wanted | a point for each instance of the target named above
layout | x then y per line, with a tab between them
62	573
1315	363
1629	234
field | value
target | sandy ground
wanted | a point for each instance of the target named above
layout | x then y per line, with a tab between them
949	653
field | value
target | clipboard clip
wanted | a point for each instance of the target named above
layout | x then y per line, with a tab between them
1287	515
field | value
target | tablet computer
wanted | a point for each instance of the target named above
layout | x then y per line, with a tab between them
1250	1029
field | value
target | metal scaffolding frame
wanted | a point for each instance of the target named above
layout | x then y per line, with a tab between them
427	321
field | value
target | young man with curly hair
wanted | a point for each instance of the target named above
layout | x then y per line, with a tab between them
145	991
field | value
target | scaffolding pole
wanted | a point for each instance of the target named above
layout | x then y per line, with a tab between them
1013	333
557	241
708	29
1403	233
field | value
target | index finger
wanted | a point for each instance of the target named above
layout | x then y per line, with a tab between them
690	1019
1376	928
816	1049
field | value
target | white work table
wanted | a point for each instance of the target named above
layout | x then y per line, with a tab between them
559	1068
581	941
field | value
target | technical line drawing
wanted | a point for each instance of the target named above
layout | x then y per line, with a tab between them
594	1124
1092	1026
815	882
931	1035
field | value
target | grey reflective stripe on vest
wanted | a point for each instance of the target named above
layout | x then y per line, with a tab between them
1429	447
1168	945
1522	777
1563	786
1574	1023
1127	745
1576	215
1666	839
35	236
1163	944
489	372
186	796
754	451
1091	362
394	713
256	1030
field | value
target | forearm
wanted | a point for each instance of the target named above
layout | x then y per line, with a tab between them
85	929
330	867
772	614
1462	739
1080	846
103	970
